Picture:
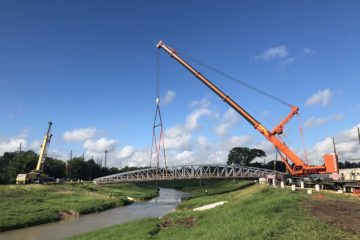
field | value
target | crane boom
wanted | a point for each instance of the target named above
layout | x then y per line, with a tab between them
37	175
44	147
300	167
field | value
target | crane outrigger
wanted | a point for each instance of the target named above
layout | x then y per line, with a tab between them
294	164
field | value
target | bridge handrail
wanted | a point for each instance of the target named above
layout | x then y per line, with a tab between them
189	166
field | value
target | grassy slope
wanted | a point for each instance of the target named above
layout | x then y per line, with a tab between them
198	188
27	205
256	212
216	187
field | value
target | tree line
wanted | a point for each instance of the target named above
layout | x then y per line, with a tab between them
245	156
13	163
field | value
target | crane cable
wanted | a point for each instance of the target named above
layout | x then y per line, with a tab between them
251	88
302	139
158	142
157	74
236	80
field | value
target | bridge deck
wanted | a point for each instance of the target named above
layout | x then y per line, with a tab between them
187	172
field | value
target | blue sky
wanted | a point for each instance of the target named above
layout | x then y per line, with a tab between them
89	66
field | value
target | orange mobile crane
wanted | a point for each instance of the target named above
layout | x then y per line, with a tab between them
298	168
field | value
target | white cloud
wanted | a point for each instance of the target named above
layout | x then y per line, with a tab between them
180	136
57	153
307	51
185	155
222	129
79	134
192	120
11	145
289	60
217	152
292	59
275	52
229	119
177	138
213	153
140	157
203	142
313	122
169	97
35	145
321	97
125	152
203	103
239	141
347	146
100	145
349	134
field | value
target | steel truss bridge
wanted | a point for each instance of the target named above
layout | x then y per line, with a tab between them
188	172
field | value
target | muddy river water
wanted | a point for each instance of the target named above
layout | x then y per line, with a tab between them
164	203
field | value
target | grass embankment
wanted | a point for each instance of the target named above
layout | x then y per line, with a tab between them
255	212
26	205
198	188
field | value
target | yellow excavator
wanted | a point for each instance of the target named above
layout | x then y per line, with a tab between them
37	175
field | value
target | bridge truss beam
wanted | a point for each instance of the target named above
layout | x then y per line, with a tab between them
187	172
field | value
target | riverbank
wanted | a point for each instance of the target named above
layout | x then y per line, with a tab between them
254	212
28	205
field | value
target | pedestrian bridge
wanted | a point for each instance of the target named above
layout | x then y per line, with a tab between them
187	172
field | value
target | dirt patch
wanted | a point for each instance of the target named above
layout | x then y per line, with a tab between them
319	196
169	222
184	222
68	214
344	214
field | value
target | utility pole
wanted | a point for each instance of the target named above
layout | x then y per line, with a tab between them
358	134
20	148
333	139
84	156
71	155
274	165
106	152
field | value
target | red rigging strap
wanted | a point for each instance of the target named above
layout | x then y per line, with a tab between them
270	136
158	141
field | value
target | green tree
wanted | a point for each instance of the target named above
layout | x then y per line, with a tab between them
244	155
55	168
77	169
12	163
94	170
279	166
